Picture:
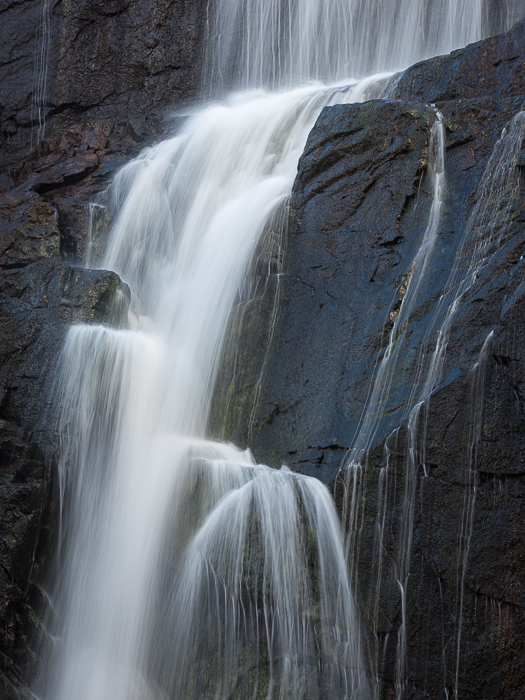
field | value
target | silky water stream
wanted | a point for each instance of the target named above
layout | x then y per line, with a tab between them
189	571
185	570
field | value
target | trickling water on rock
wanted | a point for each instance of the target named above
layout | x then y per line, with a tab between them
484	234
39	105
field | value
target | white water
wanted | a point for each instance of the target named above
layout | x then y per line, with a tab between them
244	589
187	570
134	411
283	43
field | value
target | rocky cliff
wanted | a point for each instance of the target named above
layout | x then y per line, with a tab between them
112	75
84	86
79	61
358	213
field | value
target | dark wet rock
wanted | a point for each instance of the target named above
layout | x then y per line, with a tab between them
252	325
66	172
125	60
357	215
494	67
21	113
82	158
37	305
128	58
28	229
84	227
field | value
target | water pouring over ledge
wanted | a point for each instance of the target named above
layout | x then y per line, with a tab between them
228	598
229	584
285	43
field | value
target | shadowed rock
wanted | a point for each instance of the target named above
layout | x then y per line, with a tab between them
358	211
37	305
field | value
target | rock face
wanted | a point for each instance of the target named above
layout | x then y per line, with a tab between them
38	302
358	213
491	68
107	75
84	86
80	61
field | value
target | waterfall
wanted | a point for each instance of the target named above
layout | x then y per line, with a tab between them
283	43
185	569
137	566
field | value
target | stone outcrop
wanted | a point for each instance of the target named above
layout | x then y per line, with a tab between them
358	212
81	61
490	68
38	302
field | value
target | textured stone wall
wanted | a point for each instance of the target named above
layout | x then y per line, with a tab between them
114	60
358	212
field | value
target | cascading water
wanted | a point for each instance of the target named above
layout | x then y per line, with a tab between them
243	591
186	570
133	428
282	43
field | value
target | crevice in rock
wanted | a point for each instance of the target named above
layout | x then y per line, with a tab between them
14	266
495	599
68	180
485	476
388	244
502	360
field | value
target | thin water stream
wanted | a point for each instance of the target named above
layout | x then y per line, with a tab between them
185	569
484	234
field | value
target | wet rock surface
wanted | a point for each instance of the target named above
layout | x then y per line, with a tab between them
357	216
114	72
38	302
493	68
79	61
84	87
28	229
